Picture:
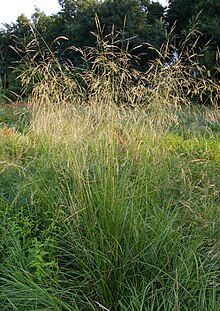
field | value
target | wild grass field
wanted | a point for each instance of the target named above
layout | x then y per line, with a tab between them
106	206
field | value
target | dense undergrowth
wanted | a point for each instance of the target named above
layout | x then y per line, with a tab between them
106	206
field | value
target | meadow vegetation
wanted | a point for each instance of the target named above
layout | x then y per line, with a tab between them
109	185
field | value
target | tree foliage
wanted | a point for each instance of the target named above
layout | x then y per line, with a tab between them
70	8
144	20
182	11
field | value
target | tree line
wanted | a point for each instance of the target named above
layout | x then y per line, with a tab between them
145	21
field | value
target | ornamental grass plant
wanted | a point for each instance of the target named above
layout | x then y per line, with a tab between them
109	196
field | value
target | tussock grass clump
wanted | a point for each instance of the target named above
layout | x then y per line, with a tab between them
111	203
107	212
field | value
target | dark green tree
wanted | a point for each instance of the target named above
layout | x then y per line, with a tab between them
139	19
182	11
136	18
14	39
142	19
14	34
209	20
70	8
